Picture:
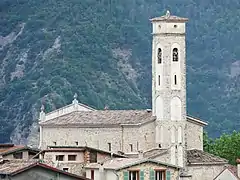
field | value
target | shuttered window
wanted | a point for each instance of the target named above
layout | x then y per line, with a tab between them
141	175
152	174
168	175
125	175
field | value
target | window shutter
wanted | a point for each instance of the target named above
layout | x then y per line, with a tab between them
168	175
152	174
141	175
125	175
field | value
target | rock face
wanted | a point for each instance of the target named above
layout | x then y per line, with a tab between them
102	51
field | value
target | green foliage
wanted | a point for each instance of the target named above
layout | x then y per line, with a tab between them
227	146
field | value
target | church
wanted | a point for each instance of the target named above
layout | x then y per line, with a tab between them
165	131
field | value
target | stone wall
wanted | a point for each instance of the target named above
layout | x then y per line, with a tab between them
51	156
205	172
141	138
25	155
92	137
194	137
73	166
108	174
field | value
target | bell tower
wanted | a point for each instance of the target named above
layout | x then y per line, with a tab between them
169	85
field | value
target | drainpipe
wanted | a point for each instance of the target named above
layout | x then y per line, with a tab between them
101	172
115	172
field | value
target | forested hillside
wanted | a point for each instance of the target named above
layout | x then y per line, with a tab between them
101	49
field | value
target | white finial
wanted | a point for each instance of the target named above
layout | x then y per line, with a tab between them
75	101
75	96
42	114
42	108
168	14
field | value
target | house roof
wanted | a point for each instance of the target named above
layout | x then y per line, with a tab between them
78	149
107	117
13	167
196	157
196	121
11	148
102	117
152	153
122	163
231	169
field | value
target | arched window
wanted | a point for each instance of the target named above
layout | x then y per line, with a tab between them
159	55
175	54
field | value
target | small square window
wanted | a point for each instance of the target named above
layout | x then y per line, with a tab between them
18	155
59	157
72	157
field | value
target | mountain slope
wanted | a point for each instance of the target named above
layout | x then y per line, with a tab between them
101	49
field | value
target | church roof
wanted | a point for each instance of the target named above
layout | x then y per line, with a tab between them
196	157
102	117
107	117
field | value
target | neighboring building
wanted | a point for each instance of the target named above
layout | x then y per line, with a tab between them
125	169
204	166
228	174
11	151
33	170
164	134
73	158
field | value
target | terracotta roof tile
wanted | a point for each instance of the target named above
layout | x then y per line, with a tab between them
154	152
200	157
10	166
102	117
10	149
5	151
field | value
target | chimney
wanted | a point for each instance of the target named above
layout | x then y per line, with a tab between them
238	167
